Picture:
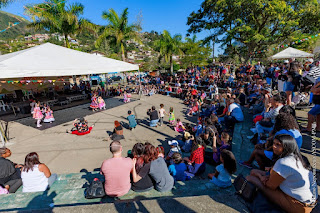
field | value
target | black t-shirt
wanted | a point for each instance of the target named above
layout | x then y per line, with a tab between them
145	182
153	115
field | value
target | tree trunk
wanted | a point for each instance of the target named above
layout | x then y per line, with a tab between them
171	65
123	56
66	40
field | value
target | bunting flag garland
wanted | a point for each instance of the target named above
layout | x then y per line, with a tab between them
287	45
32	81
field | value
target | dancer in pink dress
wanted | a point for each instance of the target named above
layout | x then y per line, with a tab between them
102	104
48	116
94	103
37	114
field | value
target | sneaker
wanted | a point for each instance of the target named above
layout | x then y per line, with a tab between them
242	163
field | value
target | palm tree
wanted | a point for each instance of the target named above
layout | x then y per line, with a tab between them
57	17
118	31
4	3
168	46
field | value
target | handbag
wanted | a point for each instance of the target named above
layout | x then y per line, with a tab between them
245	189
95	190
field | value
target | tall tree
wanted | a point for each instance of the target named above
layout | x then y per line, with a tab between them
4	3
255	24
195	52
168	46
119	31
57	17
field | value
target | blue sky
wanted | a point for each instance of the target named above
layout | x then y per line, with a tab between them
157	15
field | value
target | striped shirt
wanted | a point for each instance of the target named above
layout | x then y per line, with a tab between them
314	72
272	114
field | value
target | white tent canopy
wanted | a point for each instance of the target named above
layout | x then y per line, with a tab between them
291	53
48	60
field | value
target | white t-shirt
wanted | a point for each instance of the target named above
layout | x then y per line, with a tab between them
298	180
161	112
236	111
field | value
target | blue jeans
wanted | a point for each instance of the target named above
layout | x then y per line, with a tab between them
263	129
153	123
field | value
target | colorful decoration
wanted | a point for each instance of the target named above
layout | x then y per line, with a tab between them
287	45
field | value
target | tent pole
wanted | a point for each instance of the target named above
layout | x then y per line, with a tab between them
140	92
2	138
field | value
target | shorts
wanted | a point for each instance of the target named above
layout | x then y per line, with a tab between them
268	154
289	87
315	110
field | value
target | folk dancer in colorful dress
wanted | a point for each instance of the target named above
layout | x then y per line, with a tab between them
94	103
37	114
48	116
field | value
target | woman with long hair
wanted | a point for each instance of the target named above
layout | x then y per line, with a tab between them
290	182
141	180
36	176
158	169
285	123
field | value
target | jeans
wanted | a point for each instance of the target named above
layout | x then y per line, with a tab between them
230	121
262	129
153	122
52	179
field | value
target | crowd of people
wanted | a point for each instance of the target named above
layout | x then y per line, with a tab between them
219	97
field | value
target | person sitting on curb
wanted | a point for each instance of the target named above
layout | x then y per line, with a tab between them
116	171
9	172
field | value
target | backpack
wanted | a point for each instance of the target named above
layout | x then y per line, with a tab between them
95	190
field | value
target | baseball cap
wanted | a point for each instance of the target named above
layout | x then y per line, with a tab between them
286	61
277	68
173	143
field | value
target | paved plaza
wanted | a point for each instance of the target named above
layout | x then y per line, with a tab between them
66	153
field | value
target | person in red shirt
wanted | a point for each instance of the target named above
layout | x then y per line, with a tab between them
194	92
196	164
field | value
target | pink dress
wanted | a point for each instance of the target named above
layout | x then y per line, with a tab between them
37	114
102	104
49	117
94	103
179	127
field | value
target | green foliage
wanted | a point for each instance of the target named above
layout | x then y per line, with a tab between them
195	53
57	17
118	31
15	31
253	24
168	46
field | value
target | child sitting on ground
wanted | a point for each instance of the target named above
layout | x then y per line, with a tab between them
172	119
102	104
177	170
224	144
186	147
179	126
174	148
132	120
196	164
222	176
48	115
